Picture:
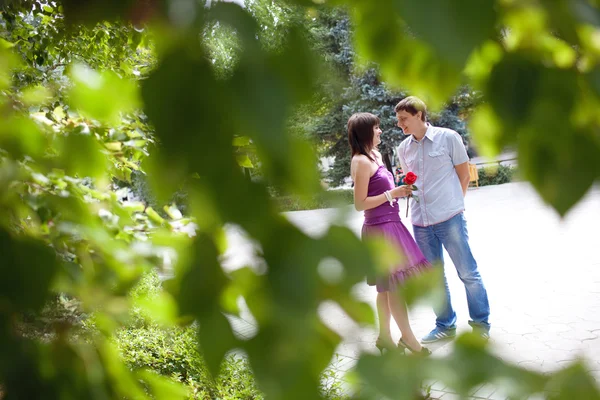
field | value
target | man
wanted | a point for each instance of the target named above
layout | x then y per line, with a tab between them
438	157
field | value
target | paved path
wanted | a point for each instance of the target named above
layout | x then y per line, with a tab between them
542	275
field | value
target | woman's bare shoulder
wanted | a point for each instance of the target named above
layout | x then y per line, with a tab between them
360	159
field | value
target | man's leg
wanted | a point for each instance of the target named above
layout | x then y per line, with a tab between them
431	246
455	238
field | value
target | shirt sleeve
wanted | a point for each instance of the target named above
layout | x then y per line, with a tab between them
458	154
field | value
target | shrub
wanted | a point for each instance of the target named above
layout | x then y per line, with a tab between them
173	352
496	175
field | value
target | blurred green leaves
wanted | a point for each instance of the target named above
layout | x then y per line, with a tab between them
26	272
102	95
72	117
405	60
393	375
455	29
531	103
573	382
20	136
81	155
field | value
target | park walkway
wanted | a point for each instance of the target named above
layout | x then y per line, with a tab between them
542	275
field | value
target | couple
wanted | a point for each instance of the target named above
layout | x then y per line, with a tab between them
438	158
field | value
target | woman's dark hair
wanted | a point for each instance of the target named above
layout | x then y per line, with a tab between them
360	133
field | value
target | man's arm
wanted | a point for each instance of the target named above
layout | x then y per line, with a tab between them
462	170
460	159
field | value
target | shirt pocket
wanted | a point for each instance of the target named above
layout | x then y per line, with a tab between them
437	158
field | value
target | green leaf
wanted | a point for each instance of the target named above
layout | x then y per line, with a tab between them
173	212
154	216
160	308
102	96
547	159
548	164
512	90
4	44
162	387
241	141
594	80
455	29
93	11
343	245
470	365
216	340
36	95
200	288
427	287
573	382
487	130
171	95
405	61
26	272
113	146
360	312
392	375
385	254
81	155
22	137
244	161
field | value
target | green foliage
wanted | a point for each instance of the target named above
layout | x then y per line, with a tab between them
91	92
496	175
145	344
173	353
360	88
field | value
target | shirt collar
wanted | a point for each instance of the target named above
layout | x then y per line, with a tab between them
430	133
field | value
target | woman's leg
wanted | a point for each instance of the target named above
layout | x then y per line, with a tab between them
383	311
398	309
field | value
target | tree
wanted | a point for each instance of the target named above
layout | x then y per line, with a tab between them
64	227
363	90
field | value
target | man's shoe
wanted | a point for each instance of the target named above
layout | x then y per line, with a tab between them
482	330
439	334
483	333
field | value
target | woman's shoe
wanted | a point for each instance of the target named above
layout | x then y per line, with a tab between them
425	352
383	345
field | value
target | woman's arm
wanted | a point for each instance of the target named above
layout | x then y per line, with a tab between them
361	173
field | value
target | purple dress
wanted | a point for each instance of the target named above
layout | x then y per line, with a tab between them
384	220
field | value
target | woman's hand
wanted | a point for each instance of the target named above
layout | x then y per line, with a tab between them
401	191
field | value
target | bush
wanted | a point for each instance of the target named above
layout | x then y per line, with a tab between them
496	175
173	352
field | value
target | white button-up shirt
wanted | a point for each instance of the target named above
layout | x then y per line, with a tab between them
433	159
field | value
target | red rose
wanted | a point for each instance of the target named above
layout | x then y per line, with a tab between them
410	178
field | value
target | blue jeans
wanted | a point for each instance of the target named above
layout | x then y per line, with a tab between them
453	235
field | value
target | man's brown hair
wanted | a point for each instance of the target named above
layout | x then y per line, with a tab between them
412	105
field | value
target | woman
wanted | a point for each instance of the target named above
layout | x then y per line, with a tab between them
375	193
